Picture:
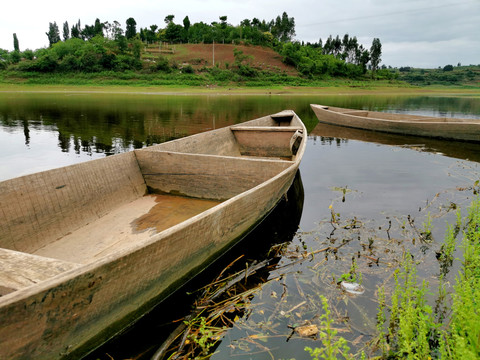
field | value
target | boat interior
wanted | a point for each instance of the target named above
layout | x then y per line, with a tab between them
397	117
61	219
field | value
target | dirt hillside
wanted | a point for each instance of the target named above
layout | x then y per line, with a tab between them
199	55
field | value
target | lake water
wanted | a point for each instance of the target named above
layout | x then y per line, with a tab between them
380	190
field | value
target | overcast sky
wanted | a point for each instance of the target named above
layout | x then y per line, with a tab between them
419	33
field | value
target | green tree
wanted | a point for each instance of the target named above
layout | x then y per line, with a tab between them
173	32
284	28
137	49
15	43
151	34
223	21
375	55
28	54
15	56
88	32
169	19
53	33
98	27
76	30
122	44
66	31
186	27
112	30
131	29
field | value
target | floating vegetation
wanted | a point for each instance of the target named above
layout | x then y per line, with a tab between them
350	288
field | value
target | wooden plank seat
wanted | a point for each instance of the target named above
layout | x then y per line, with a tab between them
265	141
19	270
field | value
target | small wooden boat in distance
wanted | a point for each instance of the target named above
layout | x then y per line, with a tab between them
445	128
88	248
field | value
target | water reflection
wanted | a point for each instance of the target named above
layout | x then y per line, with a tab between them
382	184
456	149
279	227
88	126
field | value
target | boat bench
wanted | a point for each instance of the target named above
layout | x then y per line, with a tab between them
265	141
19	270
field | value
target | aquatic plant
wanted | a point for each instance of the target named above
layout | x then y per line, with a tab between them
332	347
413	331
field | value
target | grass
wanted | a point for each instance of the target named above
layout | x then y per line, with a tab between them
208	82
409	328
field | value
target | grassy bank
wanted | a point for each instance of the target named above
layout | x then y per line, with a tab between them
327	87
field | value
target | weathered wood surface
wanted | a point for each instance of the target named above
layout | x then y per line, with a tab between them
40	208
19	270
102	282
208	177
446	128
264	141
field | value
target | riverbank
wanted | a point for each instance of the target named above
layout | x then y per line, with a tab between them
329	88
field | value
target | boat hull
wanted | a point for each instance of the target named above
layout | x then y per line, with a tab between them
445	128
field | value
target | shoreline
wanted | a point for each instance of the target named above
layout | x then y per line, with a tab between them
224	90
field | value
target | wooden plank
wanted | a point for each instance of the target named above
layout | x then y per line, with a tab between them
269	142
204	176
216	142
19	269
266	128
125	226
40	208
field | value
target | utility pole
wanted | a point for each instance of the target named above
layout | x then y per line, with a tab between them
213	52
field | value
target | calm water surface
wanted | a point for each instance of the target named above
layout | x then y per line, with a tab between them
374	185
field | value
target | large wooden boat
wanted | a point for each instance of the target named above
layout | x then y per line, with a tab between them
446	128
86	249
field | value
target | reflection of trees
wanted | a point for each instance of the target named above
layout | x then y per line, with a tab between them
26	131
114	123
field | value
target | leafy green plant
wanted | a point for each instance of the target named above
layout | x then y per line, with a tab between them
413	331
353	275
206	336
332	348
427	229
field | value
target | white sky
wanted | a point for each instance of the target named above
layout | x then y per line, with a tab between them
419	33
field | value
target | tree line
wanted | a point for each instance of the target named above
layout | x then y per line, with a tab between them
107	46
256	32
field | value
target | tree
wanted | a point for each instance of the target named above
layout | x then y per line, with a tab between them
223	21
284	28
66	31
186	23
186	27
116	30
15	43
76	30
98	27
131	30
173	32
151	34
169	19
375	53
53	33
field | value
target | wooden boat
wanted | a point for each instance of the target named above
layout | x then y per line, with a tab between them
446	128
86	249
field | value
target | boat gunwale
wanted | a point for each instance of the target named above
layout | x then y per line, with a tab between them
461	121
241	157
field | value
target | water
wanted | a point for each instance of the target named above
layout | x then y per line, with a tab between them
380	190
